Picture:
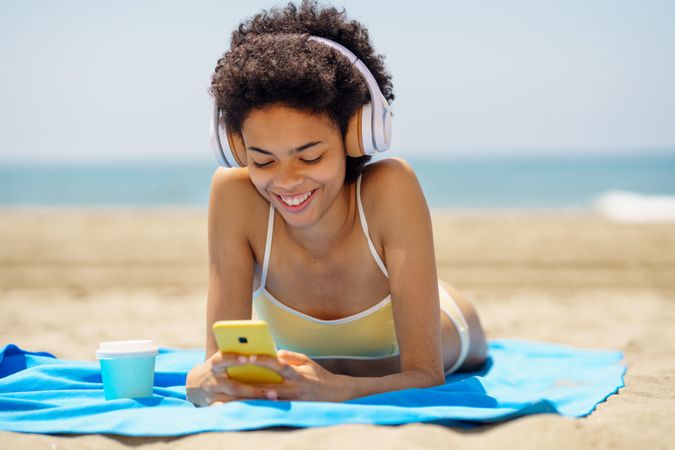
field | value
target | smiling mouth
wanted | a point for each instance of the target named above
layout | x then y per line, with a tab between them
295	200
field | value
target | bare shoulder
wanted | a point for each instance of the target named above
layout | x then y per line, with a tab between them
234	200
389	167
391	193
391	181
233	183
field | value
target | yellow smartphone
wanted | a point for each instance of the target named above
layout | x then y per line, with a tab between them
247	337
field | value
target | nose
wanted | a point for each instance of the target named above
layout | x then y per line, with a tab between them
287	178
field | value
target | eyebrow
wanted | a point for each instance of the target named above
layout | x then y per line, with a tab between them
295	150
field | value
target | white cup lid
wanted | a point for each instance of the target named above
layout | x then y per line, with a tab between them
142	347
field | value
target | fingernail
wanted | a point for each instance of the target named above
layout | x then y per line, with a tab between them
242	359
272	395
252	358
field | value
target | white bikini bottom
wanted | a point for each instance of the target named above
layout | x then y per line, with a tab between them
452	311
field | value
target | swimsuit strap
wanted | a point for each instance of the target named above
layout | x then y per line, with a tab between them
268	248
364	225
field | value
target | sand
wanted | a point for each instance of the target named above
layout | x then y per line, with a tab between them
70	278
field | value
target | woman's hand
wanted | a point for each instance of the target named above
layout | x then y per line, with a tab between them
208	383
303	379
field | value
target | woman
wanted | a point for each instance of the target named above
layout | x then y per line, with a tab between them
339	254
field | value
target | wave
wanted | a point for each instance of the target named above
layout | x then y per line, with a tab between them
630	207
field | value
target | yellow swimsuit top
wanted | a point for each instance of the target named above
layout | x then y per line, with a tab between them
369	334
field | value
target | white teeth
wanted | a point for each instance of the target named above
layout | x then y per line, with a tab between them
295	201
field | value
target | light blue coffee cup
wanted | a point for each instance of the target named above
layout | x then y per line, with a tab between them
127	368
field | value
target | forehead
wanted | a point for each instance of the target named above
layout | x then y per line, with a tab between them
275	123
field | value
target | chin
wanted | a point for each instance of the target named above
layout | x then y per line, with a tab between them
298	222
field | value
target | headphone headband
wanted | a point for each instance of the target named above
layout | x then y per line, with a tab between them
369	130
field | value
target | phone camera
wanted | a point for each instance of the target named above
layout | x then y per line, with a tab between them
243	340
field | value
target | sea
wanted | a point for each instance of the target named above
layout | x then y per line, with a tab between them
469	183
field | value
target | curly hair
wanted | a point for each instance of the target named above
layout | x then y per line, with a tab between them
272	61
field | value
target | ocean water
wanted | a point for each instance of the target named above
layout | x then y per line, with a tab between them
461	183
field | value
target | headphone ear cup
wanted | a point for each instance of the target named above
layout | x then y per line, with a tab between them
237	148
354	137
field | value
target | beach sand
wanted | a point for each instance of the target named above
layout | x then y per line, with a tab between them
71	278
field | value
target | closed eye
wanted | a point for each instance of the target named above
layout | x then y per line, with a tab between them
261	165
306	161
313	161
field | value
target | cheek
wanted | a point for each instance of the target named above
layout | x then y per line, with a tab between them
330	173
260	181
331	177
335	169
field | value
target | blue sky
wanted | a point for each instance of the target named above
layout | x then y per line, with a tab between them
127	80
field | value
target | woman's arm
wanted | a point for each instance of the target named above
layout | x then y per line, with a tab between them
402	219
231	264
231	260
305	379
354	387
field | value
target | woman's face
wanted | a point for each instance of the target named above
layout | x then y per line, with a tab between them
296	160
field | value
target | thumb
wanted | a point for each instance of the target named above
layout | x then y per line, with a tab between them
292	357
216	358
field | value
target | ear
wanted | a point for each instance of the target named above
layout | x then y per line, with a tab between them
353	138
236	142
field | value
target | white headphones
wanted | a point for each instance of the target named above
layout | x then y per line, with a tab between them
368	131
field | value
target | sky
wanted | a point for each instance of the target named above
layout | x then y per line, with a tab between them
127	80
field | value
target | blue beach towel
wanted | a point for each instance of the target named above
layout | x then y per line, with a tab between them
42	394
